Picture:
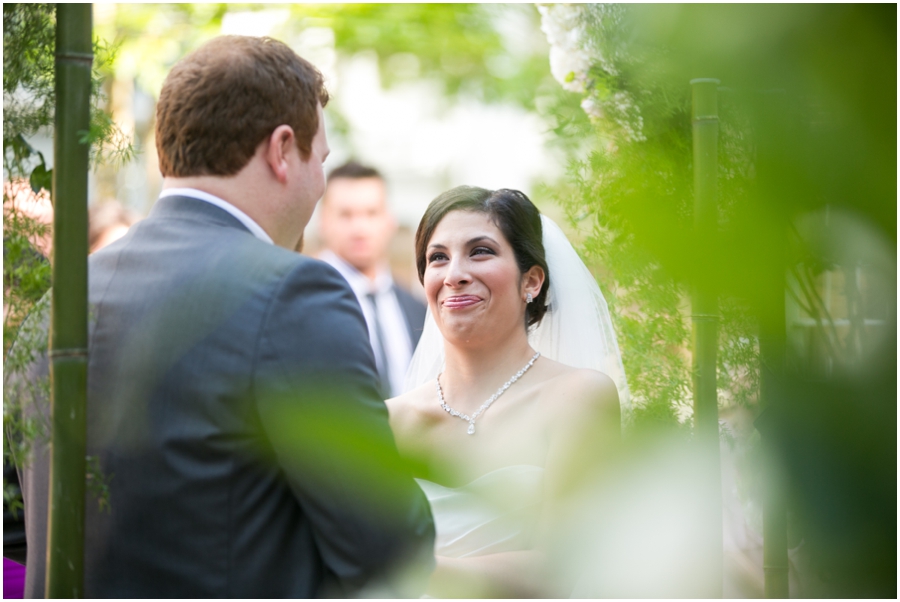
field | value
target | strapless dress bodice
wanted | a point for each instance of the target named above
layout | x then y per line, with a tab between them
496	512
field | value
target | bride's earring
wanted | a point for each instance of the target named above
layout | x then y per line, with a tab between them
528	298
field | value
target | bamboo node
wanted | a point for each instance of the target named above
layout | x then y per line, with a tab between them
75	57
705	317
70	352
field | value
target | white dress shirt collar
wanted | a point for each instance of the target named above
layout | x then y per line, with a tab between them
242	217
359	282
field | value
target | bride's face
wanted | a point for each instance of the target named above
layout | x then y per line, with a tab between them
472	281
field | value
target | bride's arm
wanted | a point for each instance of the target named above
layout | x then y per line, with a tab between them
585	433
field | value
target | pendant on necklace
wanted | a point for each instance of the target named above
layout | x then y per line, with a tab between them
471	429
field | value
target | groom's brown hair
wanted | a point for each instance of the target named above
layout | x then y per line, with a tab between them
222	100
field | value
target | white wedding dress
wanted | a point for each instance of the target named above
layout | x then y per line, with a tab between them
496	512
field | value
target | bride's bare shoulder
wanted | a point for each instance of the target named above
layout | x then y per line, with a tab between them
582	387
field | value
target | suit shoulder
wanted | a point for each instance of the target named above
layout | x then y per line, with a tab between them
311	285
308	269
290	262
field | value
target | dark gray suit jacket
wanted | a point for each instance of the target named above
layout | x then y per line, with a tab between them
232	406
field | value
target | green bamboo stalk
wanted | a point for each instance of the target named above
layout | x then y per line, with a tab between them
704	314
775	543
772	344
69	328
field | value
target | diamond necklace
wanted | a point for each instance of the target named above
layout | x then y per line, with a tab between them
487	404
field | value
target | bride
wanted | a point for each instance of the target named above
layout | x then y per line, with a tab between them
513	393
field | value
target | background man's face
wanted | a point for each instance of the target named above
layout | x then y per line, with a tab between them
356	224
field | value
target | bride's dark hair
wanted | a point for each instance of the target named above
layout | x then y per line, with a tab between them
516	217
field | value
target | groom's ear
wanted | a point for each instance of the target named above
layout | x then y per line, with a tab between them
533	280
279	145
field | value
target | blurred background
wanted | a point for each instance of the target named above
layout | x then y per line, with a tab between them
587	109
432	96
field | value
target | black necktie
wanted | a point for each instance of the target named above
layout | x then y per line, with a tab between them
380	353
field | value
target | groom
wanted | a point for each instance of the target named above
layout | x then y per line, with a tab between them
232	402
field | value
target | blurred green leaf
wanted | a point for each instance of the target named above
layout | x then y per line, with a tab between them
41	178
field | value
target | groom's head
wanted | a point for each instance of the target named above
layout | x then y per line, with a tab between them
221	101
241	118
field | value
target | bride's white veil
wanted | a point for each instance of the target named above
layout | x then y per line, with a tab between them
576	330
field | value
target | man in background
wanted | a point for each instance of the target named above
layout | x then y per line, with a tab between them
356	229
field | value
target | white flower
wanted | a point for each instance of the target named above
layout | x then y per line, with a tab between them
592	107
561	23
569	68
569	61
572	55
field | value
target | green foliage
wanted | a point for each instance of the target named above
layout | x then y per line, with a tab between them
634	183
98	483
150	38
646	304
738	356
460	45
26	421
28	65
29	97
29	44
489	52
26	273
807	136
